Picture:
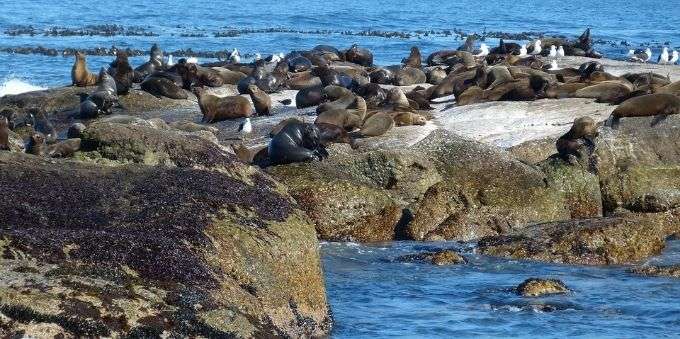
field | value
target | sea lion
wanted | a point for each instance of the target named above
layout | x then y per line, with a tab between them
360	56
76	130
154	64
102	100
409	76
122	73
159	86
373	94
468	45
329	133
409	119
673	88
298	81
330	76
452	84
64	148
561	90
397	98
340	103
376	125
344	118
80	75
498	75
414	59
333	92
299	64
296	142
609	92
4	134
228	76
381	76
419	97
578	139
308	97
588	68
36	144
435	75
203	76
261	100
216	109
660	105
276	129
44	126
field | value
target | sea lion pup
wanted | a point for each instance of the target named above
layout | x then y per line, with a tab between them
228	76
296	142
344	118
4	134
154	64
162	86
80	75
409	76
341	103
408	119
329	134
578	141
414	59
216	109
122	73
660	105
360	56
376	125
64	148
36	144
261	100
607	92
102	100
310	96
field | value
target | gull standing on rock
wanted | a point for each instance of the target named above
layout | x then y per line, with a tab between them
553	66
663	57
483	51
523	51
640	57
235	56
537	48
553	52
560	52
245	128
674	58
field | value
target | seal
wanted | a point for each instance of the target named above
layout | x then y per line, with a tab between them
154	64
414	59
278	127
607	91
36	144
498	75
102	100
64	148
298	81
660	105
409	119
344	118
296	142
160	86
360	56
397	99
376	125
330	76
419	97
217	109
408	76
122	73
4	134
329	133
341	103
309	96
299	64
435	75
333	92
588	68
261	100
75	131
373	94
381	76
454	83
578	139
80	75
201	76
228	76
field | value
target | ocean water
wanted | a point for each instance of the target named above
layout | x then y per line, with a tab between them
372	296
194	24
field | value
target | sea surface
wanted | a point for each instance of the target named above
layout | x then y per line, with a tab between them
279	26
372	296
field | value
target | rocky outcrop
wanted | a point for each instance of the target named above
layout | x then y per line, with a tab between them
672	271
135	250
537	287
599	241
438	258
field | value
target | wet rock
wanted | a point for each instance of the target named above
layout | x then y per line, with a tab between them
657	271
537	287
149	251
579	187
438	258
627	238
658	200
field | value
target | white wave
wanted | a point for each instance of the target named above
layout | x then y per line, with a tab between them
17	86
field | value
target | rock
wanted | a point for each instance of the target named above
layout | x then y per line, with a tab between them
534	151
358	196
537	287
657	271
658	200
579	187
616	240
130	143
135	250
438	258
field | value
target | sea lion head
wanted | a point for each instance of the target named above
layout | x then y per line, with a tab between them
35	143
80	56
584	127
89	109
253	89
310	136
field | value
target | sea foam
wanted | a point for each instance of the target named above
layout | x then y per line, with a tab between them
17	86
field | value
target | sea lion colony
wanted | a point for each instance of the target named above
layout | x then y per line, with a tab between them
361	99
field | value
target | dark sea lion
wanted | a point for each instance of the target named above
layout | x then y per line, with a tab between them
228	76
296	142
414	59
409	76
468	45
330	76
327	48
358	74
299	64
64	148
498	75
80	75
382	76
36	144
588	68
4	134
579	139
376	125
310	96
298	81
660	105
360	56
512	91
608	91
599	76
439	58
373	94
506	48
278	127
203	76
122	73
344	118
44	126
102	100
217	109
261	100
419	97
452	84
163	87
75	131
154	64
408	119
341	103
334	92
435	75
329	133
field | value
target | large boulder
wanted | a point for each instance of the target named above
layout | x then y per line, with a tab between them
144	251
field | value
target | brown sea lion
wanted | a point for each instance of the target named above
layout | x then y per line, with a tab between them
4	134
160	86
310	96
122	73
341	103
298	81
564	90
360	56
202	76
409	119
80	75
408	76
414	59
660	105
228	76
261	100
216	109
397	98
329	133
36	144
333	92
376	125
454	83
419	97
435	75
578	139
343	118
610	92
64	148
498	75
673	88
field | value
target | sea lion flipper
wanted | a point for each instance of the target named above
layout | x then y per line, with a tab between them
658	119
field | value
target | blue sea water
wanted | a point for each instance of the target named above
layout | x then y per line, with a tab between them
371	296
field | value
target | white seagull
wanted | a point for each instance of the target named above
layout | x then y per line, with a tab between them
663	57
483	51
640	57
553	66
523	51
170	61
560	52
235	56
245	127
537	48
192	60
553	51
674	58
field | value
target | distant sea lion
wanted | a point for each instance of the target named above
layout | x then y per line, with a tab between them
409	76
80	75
360	56
414	59
329	133
75	131
578	139
409	119
4	134
435	75
102	100
163	87
610	92
64	148
378	124
217	109
296	142
261	100
343	118
660	105
122	73
36	144
308	97
154	64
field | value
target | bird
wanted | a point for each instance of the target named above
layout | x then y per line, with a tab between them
523	51
235	56
192	60
245	128
560	51
537	48
483	51
674	58
663	57
553	66
553	52
171	62
640	57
